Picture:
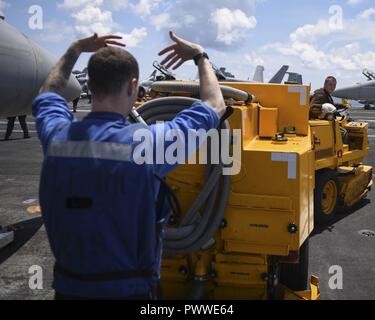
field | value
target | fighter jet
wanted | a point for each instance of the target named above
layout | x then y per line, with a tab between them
293	78
82	77
364	93
24	66
162	74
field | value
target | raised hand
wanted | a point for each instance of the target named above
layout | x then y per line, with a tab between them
94	43
180	52
60	73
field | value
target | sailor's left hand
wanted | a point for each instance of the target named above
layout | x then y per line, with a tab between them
94	43
179	52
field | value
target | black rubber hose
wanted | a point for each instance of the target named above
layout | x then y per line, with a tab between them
197	228
194	88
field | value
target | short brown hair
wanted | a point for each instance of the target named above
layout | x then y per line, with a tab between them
330	78
109	69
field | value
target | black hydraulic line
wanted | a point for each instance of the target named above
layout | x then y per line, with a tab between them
199	225
194	88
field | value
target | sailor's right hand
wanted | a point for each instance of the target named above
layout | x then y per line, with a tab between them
181	51
94	43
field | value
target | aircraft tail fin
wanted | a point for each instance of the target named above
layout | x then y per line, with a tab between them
279	76
294	78
258	75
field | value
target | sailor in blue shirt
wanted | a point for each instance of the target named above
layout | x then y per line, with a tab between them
98	203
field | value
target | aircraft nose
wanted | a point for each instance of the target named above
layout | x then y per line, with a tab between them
44	63
73	89
24	67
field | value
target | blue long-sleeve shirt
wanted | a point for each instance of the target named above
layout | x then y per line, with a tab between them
98	204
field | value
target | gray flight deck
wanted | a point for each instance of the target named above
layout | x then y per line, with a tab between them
339	243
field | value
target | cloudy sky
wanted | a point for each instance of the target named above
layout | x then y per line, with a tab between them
316	38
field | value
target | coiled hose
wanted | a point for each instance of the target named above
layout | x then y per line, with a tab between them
198	227
194	88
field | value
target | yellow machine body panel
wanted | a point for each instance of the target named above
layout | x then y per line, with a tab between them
270	209
259	214
355	183
330	152
291	101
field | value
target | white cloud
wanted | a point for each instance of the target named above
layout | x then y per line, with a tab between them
367	13
353	2
311	32
231	24
114	5
145	7
117	5
218	24
303	45
315	50
253	59
72	4
308	44
189	20
162	21
134	38
93	19
92	16
55	31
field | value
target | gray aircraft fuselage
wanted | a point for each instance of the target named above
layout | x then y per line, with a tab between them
363	91
24	66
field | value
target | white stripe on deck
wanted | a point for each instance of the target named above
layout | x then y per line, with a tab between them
361	116
78	111
19	131
365	120
5	122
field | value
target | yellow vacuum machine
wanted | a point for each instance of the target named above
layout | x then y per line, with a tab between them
243	229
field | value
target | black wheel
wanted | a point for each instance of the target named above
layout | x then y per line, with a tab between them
326	196
295	275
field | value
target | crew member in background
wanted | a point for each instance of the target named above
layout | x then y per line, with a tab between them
322	103
75	104
10	127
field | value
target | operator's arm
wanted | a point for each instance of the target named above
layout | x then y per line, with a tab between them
340	106
50	108
316	103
